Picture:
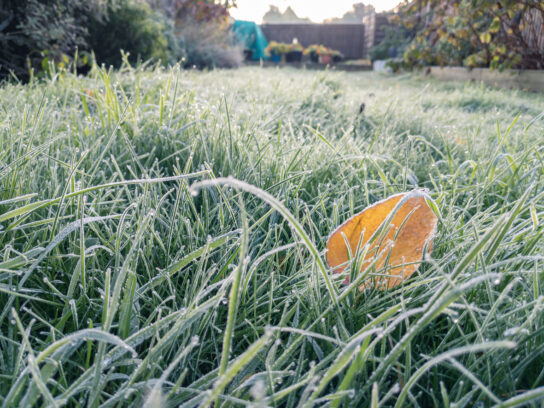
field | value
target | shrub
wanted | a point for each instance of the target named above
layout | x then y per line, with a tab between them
32	30
393	44
488	33
203	33
34	33
132	26
208	45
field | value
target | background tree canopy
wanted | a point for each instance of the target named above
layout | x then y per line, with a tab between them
38	34
32	30
485	33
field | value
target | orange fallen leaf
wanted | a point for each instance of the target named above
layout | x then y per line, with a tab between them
460	141
457	139
399	245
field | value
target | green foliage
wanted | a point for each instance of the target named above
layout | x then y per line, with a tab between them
487	33
133	27
34	31
395	41
43	36
122	284
277	48
320	49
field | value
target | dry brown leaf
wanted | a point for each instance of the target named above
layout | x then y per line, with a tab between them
401	255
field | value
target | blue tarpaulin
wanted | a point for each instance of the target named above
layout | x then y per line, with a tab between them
252	37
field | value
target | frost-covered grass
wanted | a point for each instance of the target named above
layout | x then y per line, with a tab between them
123	284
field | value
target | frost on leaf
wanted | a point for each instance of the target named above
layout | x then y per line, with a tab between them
394	232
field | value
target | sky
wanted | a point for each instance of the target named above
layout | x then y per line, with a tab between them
316	10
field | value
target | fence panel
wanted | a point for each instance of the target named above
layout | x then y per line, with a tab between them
349	39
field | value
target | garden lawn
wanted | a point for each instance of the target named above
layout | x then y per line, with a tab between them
163	232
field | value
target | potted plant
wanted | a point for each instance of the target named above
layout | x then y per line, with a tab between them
325	55
294	52
248	54
313	52
337	56
275	50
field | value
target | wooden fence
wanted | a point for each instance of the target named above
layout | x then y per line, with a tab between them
375	30
349	39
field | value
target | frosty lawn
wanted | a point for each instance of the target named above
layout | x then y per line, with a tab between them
120	282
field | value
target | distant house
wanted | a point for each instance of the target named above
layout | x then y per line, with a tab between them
356	16
274	15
